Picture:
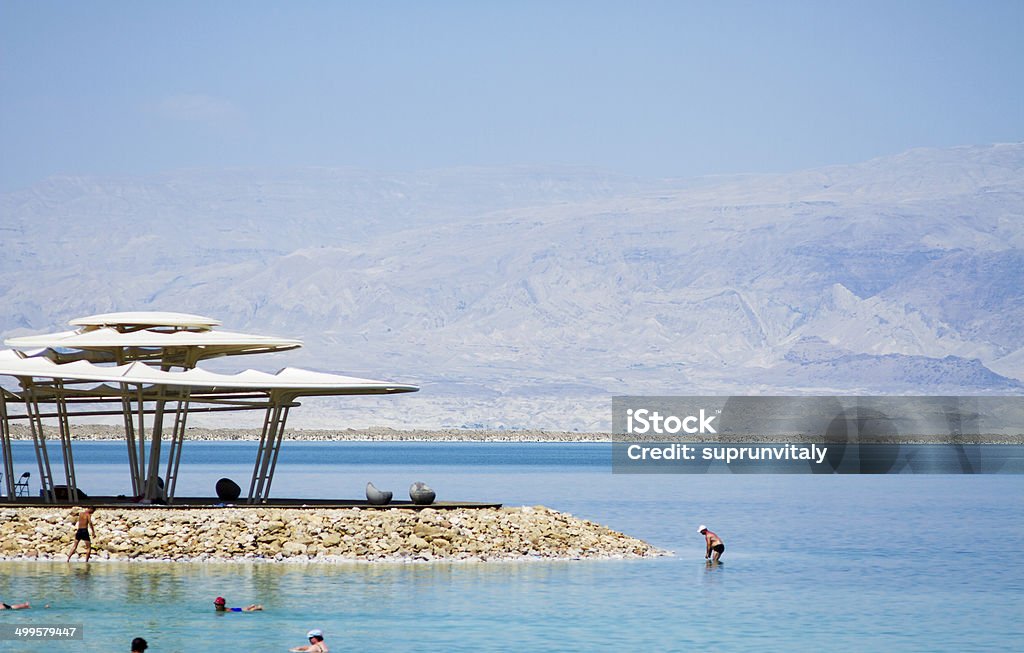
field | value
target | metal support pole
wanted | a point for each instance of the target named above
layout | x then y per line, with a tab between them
141	430
153	472
129	434
39	442
260	454
270	447
5	444
177	440
65	442
277	450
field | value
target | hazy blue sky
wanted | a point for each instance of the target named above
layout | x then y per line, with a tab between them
647	88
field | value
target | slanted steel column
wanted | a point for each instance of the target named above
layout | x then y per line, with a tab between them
267	439
5	445
129	435
259	454
277	450
153	471
270	445
65	440
35	423
177	440
140	471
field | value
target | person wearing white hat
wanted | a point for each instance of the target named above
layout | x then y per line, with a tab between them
316	642
715	544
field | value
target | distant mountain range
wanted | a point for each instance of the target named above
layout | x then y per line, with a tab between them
526	297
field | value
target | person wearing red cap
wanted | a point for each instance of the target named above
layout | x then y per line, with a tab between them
220	605
715	544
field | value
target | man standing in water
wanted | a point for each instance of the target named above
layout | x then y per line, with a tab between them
715	544
82	534
316	643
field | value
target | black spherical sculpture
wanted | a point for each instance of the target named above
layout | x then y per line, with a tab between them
421	494
228	489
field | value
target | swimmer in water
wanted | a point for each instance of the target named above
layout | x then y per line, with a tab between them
316	643
715	547
220	605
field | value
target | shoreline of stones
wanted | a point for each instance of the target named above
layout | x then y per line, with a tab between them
102	432
315	535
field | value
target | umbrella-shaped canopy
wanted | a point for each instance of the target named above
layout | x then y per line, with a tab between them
297	382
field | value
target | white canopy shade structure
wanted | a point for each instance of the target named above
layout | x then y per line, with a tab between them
175	347
292	380
136	319
59	380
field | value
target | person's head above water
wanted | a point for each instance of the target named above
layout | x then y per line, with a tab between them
139	645
316	633
702	529
219	602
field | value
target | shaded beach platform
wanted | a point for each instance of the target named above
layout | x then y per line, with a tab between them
213	502
144	367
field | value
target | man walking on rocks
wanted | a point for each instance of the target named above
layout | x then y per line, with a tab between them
82	534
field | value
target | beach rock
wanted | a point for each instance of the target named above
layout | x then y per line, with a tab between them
418	543
294	548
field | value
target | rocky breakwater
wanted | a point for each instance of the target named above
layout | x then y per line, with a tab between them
316	535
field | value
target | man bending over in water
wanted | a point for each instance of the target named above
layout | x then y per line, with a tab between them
316	643
715	544
82	534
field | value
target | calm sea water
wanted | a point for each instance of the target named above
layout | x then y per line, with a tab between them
907	562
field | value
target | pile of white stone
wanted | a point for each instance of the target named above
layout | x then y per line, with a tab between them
312	535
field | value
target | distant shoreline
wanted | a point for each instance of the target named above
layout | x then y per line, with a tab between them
105	432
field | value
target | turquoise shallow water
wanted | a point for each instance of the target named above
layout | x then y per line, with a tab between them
909	563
